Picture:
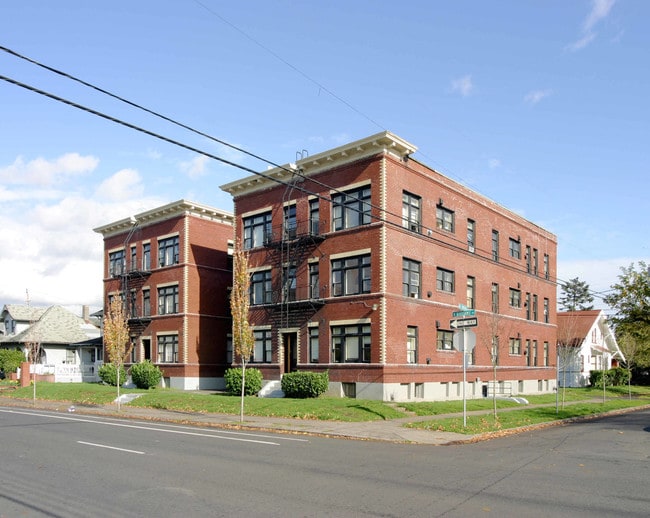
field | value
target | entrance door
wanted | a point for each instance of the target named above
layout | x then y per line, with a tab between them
290	341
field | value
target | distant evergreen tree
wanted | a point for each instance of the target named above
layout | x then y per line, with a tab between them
575	296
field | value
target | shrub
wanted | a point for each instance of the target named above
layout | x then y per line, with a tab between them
618	376
108	374
253	381
145	374
304	384
10	360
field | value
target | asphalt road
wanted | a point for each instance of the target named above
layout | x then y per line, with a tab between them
69	465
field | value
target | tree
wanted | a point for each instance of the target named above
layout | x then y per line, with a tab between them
575	296
632	347
631	302
568	347
242	334
116	337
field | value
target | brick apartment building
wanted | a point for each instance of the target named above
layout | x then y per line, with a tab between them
174	263
360	255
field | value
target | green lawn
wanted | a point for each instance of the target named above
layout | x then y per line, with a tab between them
510	414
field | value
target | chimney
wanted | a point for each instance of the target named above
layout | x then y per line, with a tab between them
85	313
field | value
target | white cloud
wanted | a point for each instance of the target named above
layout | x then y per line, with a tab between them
493	163
123	185
196	167
534	96
600	9
44	172
463	85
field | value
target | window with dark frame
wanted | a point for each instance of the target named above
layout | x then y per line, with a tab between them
515	345
411	344
261	291
515	248
471	235
471	292
257	230
515	298
495	297
411	278
411	215
445	280
314	344
351	343
146	257
314	217
168	300
116	263
167	348
495	245
290	222
289	283
444	340
314	281
351	275
262	349
168	251
445	219
351	208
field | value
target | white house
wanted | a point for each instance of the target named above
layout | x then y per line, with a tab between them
585	343
70	347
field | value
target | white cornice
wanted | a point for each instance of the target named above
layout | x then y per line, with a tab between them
384	142
174	209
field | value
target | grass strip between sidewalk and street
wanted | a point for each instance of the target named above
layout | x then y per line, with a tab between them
510	414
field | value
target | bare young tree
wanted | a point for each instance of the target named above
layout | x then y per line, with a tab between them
633	348
568	348
242	334
116	338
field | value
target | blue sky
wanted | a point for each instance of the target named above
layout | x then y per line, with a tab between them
539	105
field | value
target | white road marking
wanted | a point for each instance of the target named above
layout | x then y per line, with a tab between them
110	447
144	427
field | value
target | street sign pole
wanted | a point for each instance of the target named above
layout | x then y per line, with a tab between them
464	376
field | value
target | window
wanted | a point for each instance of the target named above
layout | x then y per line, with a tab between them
314	281
411	344
444	218
70	356
313	344
534	353
495	350
133	265
314	217
168	349
471	292
528	258
351	275
146	303
351	209
527	306
146	257
495	297
445	280
262	349
546	317
133	310
515	249
116	263
529	360
290	224
167	300
515	298
444	340
411	216
495	245
351	344
411	278
257	230
546	270
545	354
261	291
471	235
535	261
168	251
229	348
515	346
535	307
289	283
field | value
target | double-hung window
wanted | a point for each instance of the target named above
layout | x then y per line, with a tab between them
444	219
289	283
116	263
262	348
411	278
445	280
515	298
313	344
351	275
314	281
146	257
257	230
168	251
515	345
495	297
495	245
168	300
411	344
260	287
290	223
351	344
314	217
515	249
471	235
351	208
471	292
167	348
411	215
444	340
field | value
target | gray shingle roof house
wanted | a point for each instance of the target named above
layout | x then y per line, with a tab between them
70	346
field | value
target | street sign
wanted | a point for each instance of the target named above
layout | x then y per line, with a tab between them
464	341
464	313
463	322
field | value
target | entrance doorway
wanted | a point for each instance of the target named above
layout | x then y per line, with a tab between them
290	341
